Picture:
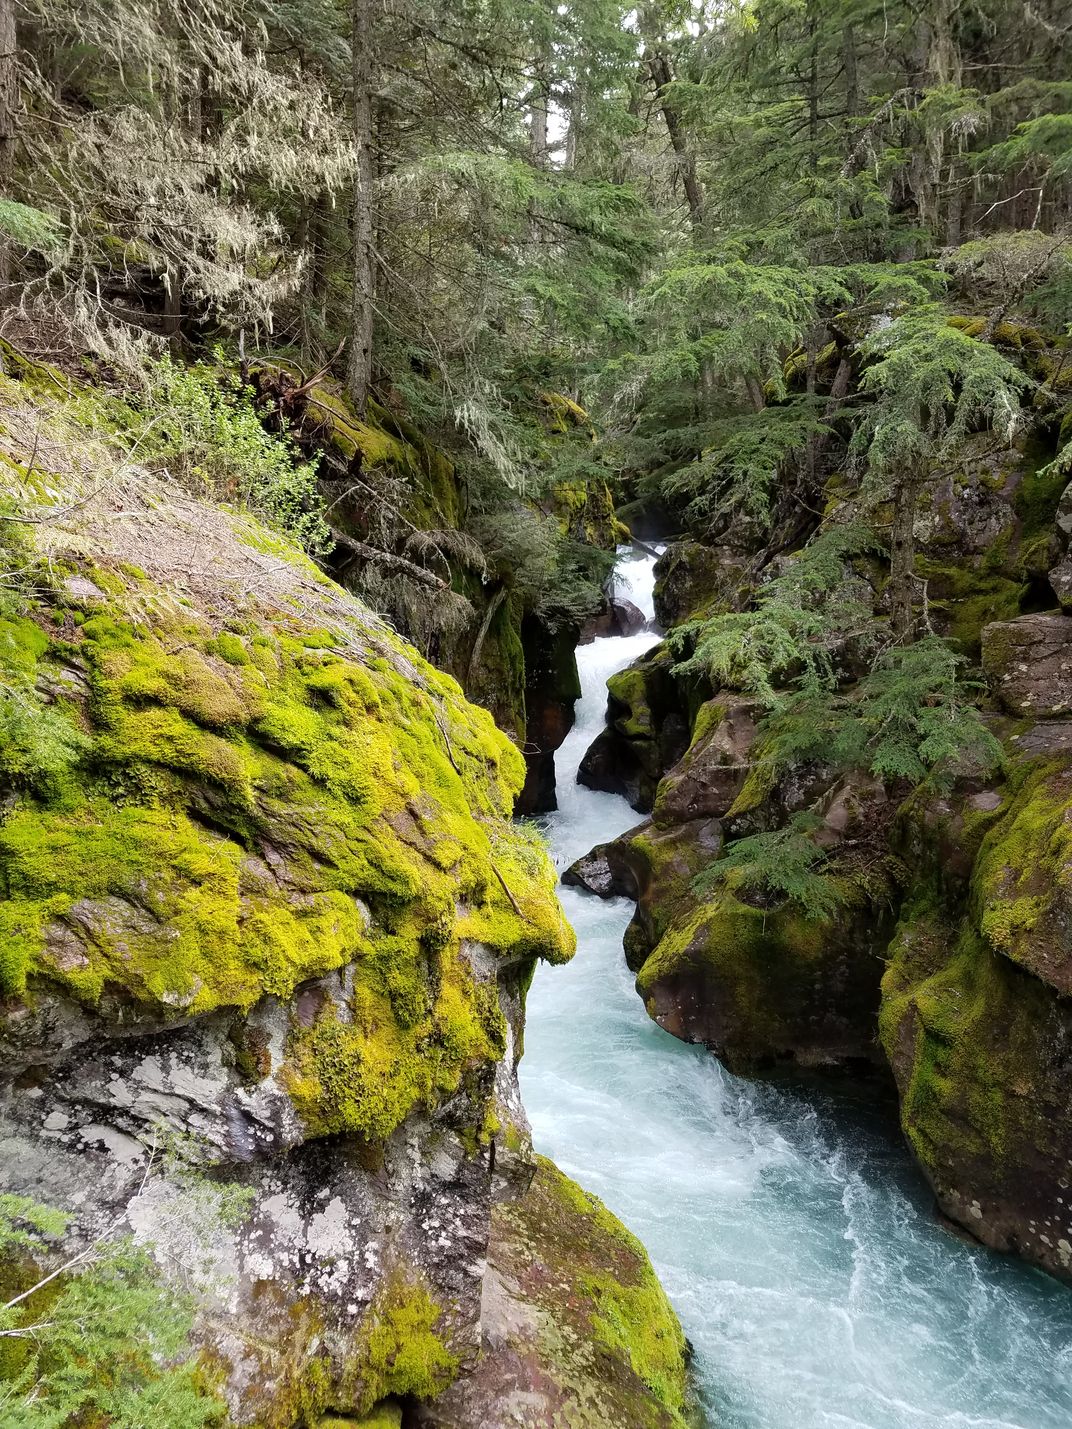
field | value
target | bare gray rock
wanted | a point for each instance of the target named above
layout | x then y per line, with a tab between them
1028	662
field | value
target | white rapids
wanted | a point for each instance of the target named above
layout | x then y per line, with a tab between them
792	1231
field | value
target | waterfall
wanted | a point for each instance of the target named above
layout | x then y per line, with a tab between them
790	1227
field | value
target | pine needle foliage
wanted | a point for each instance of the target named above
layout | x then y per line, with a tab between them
801	620
931	386
104	1343
786	863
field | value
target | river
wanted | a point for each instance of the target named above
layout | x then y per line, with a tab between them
791	1229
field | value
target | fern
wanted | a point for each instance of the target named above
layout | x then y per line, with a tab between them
801	620
784	863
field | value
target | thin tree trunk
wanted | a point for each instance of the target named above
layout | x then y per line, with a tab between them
852	83
363	293
482	634
813	100
573	129
662	77
839	389
754	388
903	556
9	100
173	306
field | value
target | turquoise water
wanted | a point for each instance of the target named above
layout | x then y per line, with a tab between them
790	1228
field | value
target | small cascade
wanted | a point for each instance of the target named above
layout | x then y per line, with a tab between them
792	1231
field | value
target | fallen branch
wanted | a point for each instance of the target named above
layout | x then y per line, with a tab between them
360	551
513	901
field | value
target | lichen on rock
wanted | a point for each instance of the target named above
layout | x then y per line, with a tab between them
262	902
578	1333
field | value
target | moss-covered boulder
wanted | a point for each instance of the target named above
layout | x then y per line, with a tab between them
710	778
976	1022
692	580
265	930
752	977
760	985
585	511
578	1333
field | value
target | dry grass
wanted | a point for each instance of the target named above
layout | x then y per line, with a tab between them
81	496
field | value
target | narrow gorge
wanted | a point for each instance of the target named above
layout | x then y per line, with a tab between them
535	714
792	1230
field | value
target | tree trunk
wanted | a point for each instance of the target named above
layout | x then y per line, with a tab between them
852	82
9	101
573	127
481	635
662	76
813	101
903	556
363	293
754	388
173	307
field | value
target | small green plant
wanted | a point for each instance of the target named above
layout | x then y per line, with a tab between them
38	742
200	424
785	863
99	1341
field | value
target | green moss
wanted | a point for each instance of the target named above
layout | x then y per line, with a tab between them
585	512
763	983
406	1042
961	1027
964	598
1037	496
759	783
248	813
1021	880
398	1348
595	1283
1006	334
563	411
384	1416
152	904
383	439
32	377
229	647
628	690
499	684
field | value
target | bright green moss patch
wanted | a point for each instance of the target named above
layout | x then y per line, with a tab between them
144	900
384	1416
399	1350
236	814
963	1030
382	439
966	598
585	512
1021	881
628	689
402	1045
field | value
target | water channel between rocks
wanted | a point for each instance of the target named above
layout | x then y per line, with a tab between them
789	1226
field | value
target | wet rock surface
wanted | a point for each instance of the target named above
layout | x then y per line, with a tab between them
647	732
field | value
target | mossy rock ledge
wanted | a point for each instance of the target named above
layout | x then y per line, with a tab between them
266	923
977	1023
756	981
578	1333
